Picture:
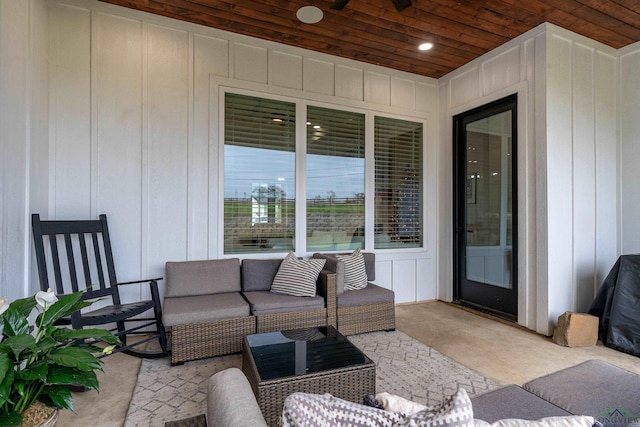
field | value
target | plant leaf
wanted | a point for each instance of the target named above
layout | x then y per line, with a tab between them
18	343
105	335
5	365
7	378
24	305
15	322
75	357
36	371
45	345
10	419
62	375
59	396
60	308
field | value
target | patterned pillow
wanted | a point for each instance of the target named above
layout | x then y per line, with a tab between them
315	410
456	411
297	277
355	274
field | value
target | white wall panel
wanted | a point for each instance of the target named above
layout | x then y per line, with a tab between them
559	177
14	146
404	280
213	54
117	150
630	149
606	158
377	88
464	87
250	63
211	58
501	71
584	175
384	273
349	83
285	70
426	283
71	167
319	76
403	93
165	147
426	98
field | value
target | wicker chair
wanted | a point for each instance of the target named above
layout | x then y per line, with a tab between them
277	312
365	310
205	310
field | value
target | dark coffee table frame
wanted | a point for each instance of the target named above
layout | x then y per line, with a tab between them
351	383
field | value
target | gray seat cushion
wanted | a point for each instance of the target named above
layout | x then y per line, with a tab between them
188	278
203	308
513	402
265	302
258	274
372	294
591	388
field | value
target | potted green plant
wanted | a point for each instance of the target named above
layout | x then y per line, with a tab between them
39	360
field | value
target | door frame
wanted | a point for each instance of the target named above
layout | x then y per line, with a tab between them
459	234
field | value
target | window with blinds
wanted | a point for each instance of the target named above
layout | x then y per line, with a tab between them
259	175
398	184
335	179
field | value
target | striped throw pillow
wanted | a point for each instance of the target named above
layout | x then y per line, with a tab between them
297	277
355	274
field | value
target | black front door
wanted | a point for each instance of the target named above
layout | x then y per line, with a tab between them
485	220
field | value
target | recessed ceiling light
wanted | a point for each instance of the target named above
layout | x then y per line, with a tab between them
309	14
425	46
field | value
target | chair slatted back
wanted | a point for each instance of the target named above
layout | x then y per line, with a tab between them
77	252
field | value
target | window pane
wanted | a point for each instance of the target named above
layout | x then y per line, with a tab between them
335	179
398	182
259	175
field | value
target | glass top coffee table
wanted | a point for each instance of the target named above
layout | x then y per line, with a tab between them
315	360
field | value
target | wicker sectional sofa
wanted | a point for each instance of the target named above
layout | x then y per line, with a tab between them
594	388
210	305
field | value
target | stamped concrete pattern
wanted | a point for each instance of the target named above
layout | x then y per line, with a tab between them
404	366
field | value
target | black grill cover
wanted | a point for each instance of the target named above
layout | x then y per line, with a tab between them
617	304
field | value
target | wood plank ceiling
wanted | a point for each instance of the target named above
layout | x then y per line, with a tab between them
374	31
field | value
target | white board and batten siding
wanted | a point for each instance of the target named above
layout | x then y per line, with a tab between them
567	169
135	129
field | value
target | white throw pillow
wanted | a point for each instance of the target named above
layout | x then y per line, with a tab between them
297	277
355	273
391	402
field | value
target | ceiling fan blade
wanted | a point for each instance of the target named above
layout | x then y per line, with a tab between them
339	4
401	5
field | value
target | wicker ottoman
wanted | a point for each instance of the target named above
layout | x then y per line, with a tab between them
315	360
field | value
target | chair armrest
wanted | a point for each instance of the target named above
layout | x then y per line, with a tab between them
137	281
153	287
326	287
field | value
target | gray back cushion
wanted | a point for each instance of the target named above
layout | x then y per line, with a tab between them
258	274
370	265
591	388
190	278
333	264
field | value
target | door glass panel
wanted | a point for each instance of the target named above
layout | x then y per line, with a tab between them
489	200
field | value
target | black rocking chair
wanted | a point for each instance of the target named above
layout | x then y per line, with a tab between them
85	249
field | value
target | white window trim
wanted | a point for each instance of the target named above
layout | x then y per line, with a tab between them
219	87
